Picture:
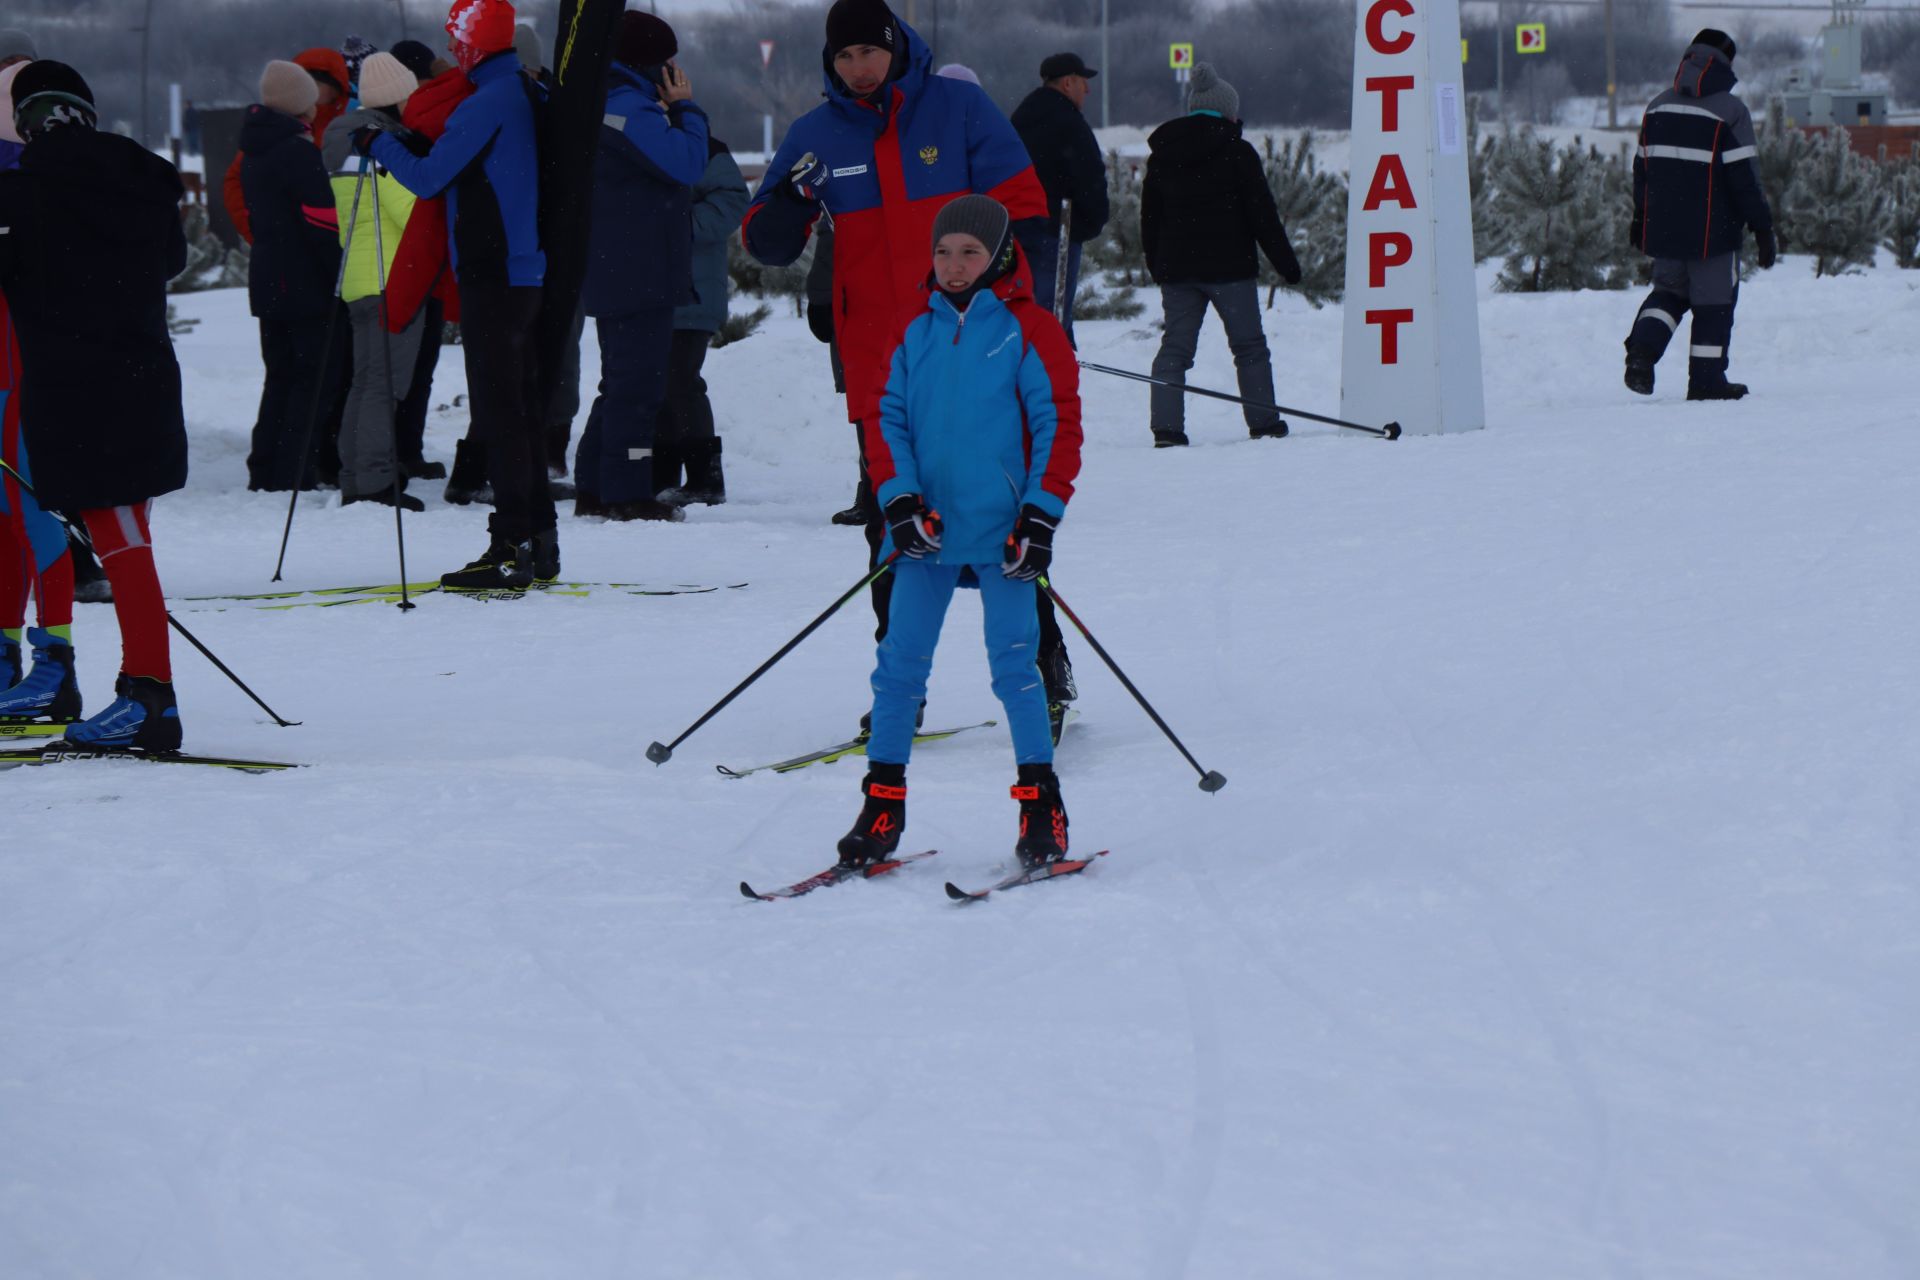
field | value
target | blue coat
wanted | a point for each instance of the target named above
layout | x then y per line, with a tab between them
719	202
488	164
641	250
981	416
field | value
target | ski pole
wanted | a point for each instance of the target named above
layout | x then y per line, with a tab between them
1209	780
1389	432
1060	311
660	753
320	384
79	535
390	400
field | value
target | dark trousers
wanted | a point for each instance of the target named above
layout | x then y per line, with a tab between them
1044	257
300	402
615	461
686	415
1710	288
410	420
496	327
1186	307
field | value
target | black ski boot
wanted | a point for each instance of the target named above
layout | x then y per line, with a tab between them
468	483
503	566
142	717
1639	373
546	556
876	832
1043	816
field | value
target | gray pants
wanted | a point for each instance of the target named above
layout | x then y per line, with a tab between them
1186	306
366	429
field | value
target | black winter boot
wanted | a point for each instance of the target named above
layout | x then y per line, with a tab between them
1639	373
503	566
1717	391
546	556
876	832
468	483
639	509
705	483
1043	816
862	509
667	466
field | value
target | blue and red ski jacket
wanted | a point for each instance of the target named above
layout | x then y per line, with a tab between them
888	174
981	415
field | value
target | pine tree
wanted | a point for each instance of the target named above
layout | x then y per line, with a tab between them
1489	237
1564	217
1313	208
1900	183
1838	210
1783	152
749	275
210	264
1118	248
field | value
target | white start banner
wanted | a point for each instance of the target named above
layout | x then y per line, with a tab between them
1411	349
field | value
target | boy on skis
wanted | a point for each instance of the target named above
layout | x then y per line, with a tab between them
973	455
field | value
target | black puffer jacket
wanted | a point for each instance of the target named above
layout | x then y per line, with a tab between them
89	236
1696	183
296	232
1205	206
1066	156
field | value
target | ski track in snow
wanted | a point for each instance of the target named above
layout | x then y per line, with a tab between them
1557	919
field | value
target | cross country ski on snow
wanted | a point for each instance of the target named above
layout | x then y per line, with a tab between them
1026	875
834	875
66	753
31	729
840	751
390	592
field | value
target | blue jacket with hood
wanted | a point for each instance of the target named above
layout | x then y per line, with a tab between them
1696	185
650	156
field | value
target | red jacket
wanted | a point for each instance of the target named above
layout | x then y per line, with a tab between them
420	263
327	62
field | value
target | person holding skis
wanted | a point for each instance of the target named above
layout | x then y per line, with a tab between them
89	236
890	147
973	487
487	162
1696	190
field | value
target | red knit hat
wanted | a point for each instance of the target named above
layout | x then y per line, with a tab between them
484	26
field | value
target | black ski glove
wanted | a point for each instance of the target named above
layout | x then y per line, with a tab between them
1769	247
916	530
1029	552
804	181
820	320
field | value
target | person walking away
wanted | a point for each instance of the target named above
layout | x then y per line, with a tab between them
92	234
291	276
974	462
890	147
370	236
487	163
653	148
1205	208
1066	156
1696	191
685	440
34	546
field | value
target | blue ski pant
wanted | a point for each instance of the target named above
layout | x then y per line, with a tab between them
921	593
615	460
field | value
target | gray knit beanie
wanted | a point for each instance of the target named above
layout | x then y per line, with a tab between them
1208	92
982	217
15	43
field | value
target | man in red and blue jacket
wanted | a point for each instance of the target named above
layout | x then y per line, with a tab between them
892	145
487	163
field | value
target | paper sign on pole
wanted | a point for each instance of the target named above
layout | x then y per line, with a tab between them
766	54
1530	37
1411	350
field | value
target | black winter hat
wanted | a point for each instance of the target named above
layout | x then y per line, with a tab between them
47	76
1715	39
415	57
852	22
644	40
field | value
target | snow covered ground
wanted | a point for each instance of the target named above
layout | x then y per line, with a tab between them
1558	920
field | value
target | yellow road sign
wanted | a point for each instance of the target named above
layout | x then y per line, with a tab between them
1180	56
1530	37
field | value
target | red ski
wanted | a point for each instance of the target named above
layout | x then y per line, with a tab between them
834	875
1026	875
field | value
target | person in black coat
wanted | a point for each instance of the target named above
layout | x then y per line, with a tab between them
89	236
1066	156
1205	208
292	283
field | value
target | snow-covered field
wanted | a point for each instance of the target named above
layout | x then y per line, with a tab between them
1559	919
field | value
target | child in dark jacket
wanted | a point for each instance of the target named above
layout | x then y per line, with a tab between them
973	455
